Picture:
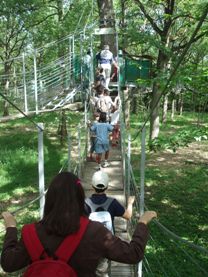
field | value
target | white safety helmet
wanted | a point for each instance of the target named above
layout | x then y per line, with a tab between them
106	47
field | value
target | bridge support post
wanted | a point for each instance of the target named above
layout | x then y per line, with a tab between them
41	168
24	82
36	82
142	178
69	152
79	150
129	164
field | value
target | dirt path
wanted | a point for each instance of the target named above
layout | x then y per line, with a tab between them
196	153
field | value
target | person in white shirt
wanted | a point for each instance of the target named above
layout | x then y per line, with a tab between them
105	60
87	63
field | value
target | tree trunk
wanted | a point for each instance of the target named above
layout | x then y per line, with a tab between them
6	83
5	103
154	112
62	129
107	19
162	62
180	104
127	108
165	109
193	101
123	22
173	109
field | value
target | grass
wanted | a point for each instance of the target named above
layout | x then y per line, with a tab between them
19	161
176	187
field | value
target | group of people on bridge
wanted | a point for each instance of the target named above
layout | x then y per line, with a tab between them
105	111
66	241
106	120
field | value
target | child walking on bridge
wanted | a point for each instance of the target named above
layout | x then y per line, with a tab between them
102	130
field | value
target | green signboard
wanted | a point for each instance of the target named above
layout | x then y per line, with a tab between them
136	69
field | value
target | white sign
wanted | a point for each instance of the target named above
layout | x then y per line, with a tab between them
104	31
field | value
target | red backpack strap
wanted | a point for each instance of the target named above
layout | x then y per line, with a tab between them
32	242
70	243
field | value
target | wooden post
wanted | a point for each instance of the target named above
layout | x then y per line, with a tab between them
41	168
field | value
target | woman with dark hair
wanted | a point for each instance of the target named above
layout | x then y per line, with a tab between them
63	214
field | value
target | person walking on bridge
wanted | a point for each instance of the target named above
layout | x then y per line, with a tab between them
100	181
105	60
100	202
102	130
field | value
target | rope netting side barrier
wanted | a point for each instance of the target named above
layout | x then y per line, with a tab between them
189	259
37	79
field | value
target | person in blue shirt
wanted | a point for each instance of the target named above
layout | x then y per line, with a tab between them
102	130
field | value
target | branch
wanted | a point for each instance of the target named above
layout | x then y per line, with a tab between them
53	7
190	89
69	9
16	42
41	21
168	21
149	18
179	47
135	57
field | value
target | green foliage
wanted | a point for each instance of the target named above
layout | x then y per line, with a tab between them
19	156
179	139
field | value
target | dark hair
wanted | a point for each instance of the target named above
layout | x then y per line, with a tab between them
100	89
106	91
102	117
64	204
100	190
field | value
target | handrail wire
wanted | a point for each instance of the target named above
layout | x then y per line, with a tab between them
190	257
173	235
164	257
25	115
148	265
167	262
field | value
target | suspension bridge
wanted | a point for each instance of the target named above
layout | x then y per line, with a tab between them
55	85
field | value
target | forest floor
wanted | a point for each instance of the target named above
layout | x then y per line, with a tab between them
195	154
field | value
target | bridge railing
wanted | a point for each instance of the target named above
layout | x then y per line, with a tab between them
157	263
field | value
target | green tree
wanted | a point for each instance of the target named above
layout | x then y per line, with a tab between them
162	29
